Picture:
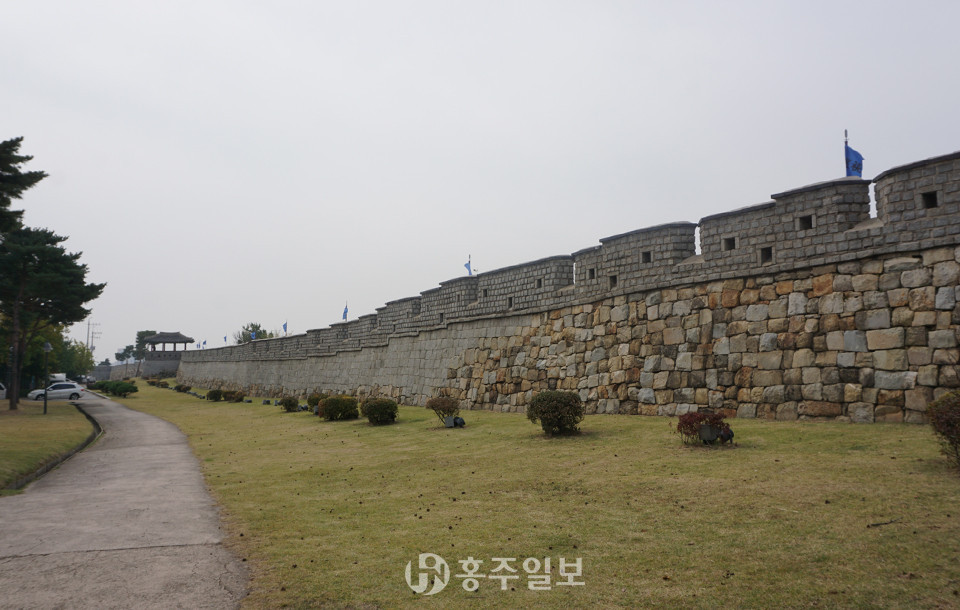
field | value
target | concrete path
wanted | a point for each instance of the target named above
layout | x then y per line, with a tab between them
126	523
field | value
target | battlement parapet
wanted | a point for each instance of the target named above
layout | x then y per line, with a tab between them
918	207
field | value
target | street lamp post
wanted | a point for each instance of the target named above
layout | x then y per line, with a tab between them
46	377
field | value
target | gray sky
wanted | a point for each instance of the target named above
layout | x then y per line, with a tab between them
223	162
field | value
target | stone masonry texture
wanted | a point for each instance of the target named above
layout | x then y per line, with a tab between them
803	307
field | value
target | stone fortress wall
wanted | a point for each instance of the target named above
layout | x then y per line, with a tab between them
804	306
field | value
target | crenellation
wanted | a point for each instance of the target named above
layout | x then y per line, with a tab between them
801	307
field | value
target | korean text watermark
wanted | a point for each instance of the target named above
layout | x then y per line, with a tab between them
432	573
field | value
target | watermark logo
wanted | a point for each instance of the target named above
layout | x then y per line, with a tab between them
438	573
508	572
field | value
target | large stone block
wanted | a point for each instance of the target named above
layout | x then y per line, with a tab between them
890	360
814	408
770	360
887	338
942	339
796	304
854	341
918	399
767	378
946	298
872	319
946	273
890	380
786	411
862	283
903	263
888	413
923	299
822	284
914	278
860	412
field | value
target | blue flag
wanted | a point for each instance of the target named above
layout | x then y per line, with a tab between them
284	327
344	311
204	342
253	335
854	161
467	265
224	338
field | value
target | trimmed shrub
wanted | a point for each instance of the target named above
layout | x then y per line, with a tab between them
444	406
181	388
558	412
689	424
150	382
116	388
289	404
314	399
163	384
336	408
233	396
215	395
944	414
380	410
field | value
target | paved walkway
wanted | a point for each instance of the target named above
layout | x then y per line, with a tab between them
126	523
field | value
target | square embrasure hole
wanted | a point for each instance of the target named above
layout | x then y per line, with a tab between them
766	255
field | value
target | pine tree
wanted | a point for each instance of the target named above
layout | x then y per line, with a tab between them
13	182
41	285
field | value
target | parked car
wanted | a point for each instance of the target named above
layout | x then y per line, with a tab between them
3	391
59	391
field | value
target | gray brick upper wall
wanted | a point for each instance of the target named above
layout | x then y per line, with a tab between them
633	260
796	225
918	207
920	200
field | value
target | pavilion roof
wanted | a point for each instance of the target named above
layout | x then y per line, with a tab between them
169	338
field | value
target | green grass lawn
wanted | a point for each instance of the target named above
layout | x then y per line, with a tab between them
330	513
29	439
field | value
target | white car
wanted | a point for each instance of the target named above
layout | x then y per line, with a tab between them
59	391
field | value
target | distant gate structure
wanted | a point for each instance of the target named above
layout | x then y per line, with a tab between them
162	362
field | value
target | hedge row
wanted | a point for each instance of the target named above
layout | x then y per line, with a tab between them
116	388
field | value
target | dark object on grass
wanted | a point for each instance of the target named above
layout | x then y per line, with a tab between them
266	401
726	435
458	422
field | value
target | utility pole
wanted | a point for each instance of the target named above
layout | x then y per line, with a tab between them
92	334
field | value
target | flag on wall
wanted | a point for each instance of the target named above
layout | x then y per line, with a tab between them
854	161
224	338
467	265
284	328
344	311
253	335
204	343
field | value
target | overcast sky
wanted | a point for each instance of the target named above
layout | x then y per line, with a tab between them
225	162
